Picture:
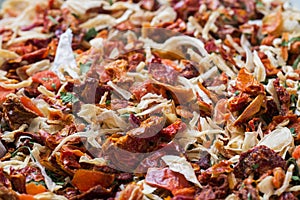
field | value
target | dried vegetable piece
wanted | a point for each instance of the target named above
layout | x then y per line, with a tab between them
149	99
16	113
167	179
86	179
258	160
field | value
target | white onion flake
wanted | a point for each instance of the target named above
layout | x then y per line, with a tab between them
278	139
182	166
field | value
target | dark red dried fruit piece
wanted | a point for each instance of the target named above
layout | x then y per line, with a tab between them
217	188
283	97
258	161
166	179
163	73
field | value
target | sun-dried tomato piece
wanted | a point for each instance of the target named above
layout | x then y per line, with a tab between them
120	159
22	48
35	55
123	150
189	71
173	129
283	96
211	46
221	112
214	171
227	56
48	79
90	91
4	92
15	113
166	179
279	118
178	26
227	29
245	82
215	188
132	191
154	159
185	8
134	59
238	103
252	109
220	168
163	73
141	89
70	157
31	173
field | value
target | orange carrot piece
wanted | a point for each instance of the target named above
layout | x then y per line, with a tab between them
28	104
26	197
4	92
296	153
284	48
85	179
33	189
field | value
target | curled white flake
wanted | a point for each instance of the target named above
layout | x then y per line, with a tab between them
64	60
249	57
124	93
210	26
182	166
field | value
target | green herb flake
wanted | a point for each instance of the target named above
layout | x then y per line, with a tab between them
45	79
259	3
291	41
84	68
296	62
293	98
108	102
235	18
295	178
284	43
237	93
293	132
53	85
75	15
242	186
255	166
54	21
91	33
68	97
126	115
17	150
249	196
295	39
